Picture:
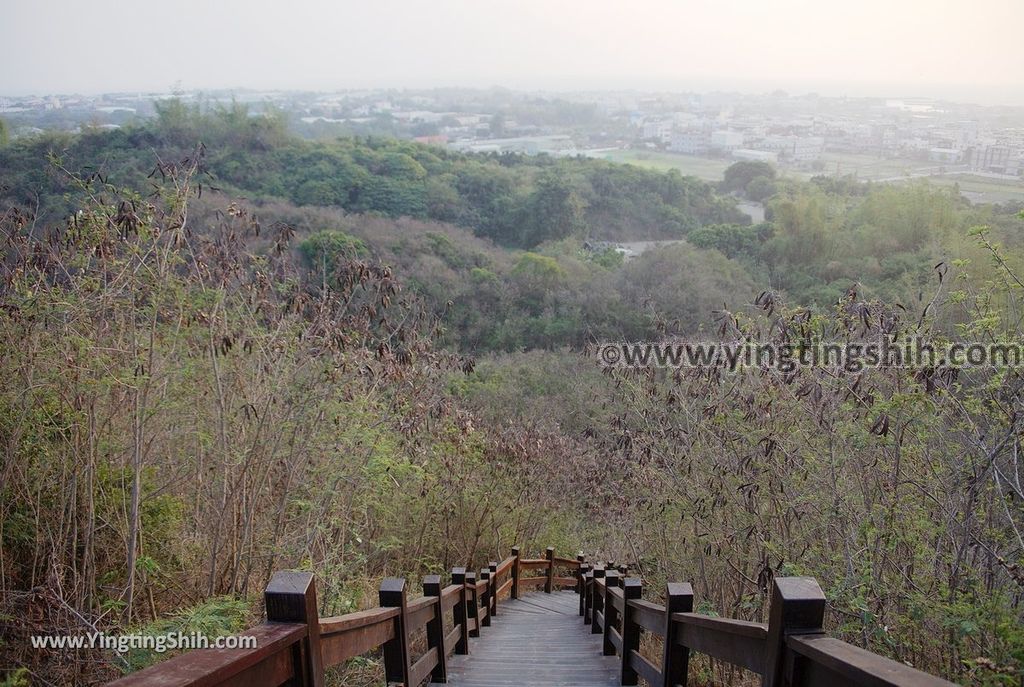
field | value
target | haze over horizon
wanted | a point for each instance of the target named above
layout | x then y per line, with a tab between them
942	49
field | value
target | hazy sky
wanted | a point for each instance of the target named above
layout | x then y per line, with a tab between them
963	49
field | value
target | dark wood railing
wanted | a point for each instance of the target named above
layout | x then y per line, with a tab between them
295	646
791	650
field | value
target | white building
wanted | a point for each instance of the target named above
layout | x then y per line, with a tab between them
690	142
726	140
794	148
807	148
657	130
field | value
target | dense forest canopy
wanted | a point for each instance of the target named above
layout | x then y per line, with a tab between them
819	238
515	200
230	351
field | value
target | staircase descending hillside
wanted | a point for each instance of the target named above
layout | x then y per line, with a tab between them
508	627
536	640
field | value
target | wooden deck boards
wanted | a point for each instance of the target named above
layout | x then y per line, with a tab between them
537	640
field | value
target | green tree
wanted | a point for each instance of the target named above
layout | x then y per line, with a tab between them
739	174
686	284
177	122
325	247
760	188
732	240
554	211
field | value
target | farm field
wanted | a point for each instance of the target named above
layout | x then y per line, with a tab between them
864	167
868	167
983	190
702	168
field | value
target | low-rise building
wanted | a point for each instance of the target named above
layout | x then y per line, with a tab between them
993	158
793	148
690	142
724	139
657	130
807	148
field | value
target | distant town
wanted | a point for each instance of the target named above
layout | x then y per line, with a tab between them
978	148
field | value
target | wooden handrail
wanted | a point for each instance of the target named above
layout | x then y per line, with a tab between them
644	668
423	667
530	563
832	662
733	641
450	597
269	664
346	636
294	646
355	621
420	612
649	616
793	637
742	628
614	598
506	565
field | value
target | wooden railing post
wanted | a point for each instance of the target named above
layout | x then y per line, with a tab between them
485	576
291	598
515	572
494	588
550	555
596	601
798	607
459	615
588	585
584	581
396	650
472	604
611	581
580	558
675	663
632	588
435	629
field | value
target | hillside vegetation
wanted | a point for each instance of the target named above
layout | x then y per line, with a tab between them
229	352
515	200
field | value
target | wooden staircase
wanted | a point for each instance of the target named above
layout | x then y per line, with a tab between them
540	621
